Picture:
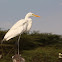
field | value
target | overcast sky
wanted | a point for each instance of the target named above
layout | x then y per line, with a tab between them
50	11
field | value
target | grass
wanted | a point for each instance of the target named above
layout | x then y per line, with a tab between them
40	54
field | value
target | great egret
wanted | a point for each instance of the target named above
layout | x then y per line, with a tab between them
21	26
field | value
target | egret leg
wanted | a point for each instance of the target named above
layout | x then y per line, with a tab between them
18	43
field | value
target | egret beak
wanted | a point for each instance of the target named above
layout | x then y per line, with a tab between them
35	15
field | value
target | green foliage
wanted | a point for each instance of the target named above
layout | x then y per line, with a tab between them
34	47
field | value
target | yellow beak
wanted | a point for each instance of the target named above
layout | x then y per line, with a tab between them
35	15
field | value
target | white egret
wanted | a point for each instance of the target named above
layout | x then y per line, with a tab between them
21	26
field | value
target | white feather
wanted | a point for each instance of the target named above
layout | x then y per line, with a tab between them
21	26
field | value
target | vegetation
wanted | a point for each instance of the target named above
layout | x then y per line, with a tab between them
34	47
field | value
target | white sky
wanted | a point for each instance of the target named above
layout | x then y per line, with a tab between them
50	11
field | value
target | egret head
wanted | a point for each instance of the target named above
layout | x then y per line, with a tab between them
31	15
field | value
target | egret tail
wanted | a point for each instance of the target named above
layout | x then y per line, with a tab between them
3	41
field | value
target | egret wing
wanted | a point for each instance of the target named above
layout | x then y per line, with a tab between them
19	23
17	29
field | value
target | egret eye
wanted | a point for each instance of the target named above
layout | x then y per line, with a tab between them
32	14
